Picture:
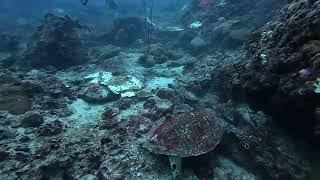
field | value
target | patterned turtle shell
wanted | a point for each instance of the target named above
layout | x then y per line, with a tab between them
187	134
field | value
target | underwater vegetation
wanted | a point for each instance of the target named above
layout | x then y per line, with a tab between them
171	89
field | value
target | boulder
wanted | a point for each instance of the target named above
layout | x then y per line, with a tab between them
54	44
14	99
32	119
50	129
96	93
125	31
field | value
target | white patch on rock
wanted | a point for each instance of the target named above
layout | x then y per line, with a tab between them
163	71
59	10
164	105
120	84
117	84
128	94
195	25
84	113
132	111
99	77
198	42
173	28
159	82
263	58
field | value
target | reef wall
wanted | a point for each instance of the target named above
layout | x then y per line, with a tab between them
229	23
55	43
281	70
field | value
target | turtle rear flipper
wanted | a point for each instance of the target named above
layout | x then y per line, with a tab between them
176	167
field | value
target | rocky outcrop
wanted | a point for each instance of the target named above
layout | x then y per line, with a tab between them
95	93
229	23
14	99
155	54
125	31
32	119
55	43
282	73
20	93
8	42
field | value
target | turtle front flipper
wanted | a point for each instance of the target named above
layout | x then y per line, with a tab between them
176	167
244	138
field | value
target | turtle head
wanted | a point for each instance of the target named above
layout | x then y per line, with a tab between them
245	139
153	144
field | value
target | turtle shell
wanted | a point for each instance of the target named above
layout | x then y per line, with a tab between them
186	134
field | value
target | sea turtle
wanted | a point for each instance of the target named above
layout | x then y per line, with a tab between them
189	134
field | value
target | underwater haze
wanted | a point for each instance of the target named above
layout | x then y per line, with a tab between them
159	90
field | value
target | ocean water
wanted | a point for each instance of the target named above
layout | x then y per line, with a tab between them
159	90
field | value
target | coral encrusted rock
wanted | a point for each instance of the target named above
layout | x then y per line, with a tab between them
55	43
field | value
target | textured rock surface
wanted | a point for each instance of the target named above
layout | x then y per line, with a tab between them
125	31
155	54
51	128
58	135
54	44
14	99
228	23
95	93
32	119
282	71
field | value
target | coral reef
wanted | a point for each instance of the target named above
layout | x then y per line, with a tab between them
55	43
94	105
229	23
125	31
95	93
155	54
282	71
